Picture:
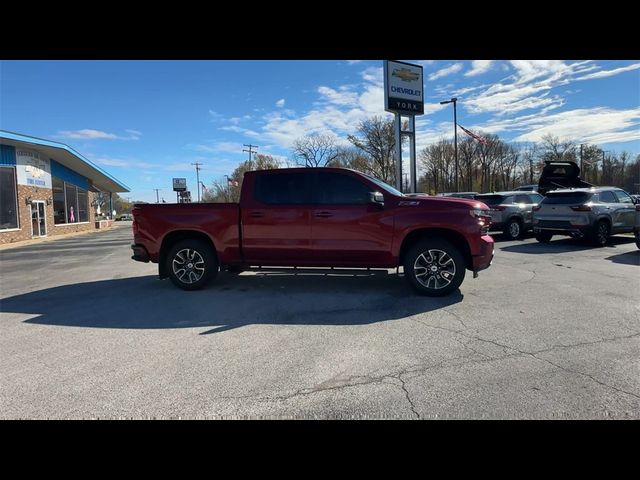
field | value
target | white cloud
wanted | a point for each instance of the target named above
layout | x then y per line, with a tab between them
479	67
280	103
353	62
610	73
344	97
120	162
453	68
90	134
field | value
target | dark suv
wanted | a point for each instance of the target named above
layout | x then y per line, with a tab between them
594	213
511	212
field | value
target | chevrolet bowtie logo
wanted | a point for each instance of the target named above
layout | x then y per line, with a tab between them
405	74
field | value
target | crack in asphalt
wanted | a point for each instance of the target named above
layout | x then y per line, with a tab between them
534	354
406	394
419	369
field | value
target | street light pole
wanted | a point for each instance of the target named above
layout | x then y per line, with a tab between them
454	100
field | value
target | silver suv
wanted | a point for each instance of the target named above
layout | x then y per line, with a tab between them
511	212
593	213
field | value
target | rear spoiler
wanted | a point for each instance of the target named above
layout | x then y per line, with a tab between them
560	175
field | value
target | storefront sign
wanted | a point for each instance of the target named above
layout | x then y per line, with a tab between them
32	169
403	88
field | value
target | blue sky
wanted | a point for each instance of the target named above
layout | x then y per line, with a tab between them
145	122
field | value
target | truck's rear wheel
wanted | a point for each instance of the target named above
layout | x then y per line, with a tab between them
191	263
434	267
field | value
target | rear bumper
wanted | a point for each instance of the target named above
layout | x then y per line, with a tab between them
573	231
140	253
484	258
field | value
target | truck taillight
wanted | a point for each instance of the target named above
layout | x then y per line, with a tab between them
483	217
582	208
134	226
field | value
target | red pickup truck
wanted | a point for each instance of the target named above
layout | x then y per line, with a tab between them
317	217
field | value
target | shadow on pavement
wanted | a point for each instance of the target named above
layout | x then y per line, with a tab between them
565	245
231	301
628	258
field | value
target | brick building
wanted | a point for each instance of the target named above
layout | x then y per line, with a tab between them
47	188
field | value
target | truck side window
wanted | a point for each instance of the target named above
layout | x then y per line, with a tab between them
337	188
283	188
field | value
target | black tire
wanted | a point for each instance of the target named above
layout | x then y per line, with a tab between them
434	285
544	237
514	229
600	235
197	254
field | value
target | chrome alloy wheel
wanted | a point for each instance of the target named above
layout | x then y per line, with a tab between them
434	269
188	265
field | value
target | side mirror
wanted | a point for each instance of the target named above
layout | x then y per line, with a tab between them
377	198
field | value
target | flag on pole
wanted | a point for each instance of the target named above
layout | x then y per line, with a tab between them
471	134
232	183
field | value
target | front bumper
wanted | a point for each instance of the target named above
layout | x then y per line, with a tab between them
140	253
483	260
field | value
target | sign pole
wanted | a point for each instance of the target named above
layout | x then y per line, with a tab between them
398	135
412	158
404	95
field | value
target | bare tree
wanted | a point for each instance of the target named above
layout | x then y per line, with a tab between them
377	141
229	191
552	148
317	150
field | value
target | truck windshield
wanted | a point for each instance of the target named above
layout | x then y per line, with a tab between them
384	186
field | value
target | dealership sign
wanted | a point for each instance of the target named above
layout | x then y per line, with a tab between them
179	184
403	88
32	169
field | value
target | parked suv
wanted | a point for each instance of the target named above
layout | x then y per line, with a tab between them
594	213
511	212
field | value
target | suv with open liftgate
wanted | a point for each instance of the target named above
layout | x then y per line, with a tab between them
593	213
511	212
317	217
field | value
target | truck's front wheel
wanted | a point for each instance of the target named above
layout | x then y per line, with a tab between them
191	264
434	267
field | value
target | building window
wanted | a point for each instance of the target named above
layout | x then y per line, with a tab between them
71	194
59	209
69	203
8	198
82	206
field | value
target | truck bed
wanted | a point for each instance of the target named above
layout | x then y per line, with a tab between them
218	221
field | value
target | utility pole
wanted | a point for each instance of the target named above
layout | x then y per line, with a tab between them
157	196
198	177
250	151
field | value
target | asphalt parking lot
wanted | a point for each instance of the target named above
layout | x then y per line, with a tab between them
548	332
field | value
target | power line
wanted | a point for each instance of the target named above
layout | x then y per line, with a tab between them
198	177
250	151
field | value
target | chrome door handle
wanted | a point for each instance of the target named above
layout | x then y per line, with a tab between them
324	214
256	214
